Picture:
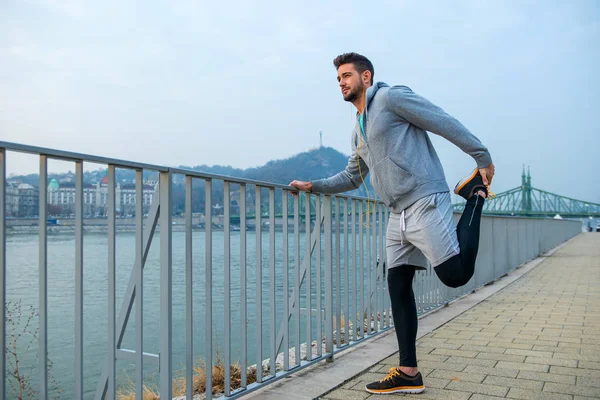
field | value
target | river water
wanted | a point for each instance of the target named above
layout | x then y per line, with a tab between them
23	285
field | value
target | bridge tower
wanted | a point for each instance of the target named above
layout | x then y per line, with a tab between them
526	192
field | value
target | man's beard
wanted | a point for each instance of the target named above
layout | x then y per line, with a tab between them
354	93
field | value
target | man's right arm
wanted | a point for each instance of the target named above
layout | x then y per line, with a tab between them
349	179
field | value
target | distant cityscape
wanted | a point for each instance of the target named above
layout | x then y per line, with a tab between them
22	199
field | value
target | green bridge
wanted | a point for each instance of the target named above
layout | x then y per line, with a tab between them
524	201
528	201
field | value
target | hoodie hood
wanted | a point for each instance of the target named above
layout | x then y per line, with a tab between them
373	89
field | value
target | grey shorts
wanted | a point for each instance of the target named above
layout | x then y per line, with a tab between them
423	232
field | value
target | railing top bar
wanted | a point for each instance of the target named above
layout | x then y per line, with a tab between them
71	156
263	184
230	179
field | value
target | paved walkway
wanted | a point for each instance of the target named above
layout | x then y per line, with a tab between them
539	338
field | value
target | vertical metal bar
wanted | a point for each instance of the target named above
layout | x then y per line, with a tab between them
369	271
318	271
328	279
297	275
377	316
381	269
338	277
112	279
166	277
354	271
43	271
139	283
3	272
243	307
375	268
307	256
208	339
189	280
346	274
227	284
286	291
272	305
78	372
258	224
386	306
361	274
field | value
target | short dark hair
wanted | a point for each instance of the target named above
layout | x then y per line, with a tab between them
361	63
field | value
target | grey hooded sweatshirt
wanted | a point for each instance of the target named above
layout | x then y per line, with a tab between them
398	152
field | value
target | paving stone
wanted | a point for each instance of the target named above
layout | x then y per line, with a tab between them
587	381
547	377
432	357
446	366
485	349
470	342
358	385
555	350
344	394
524	367
430	342
516	335
509	373
483	335
471	361
490	390
570	389
589	365
592	373
421	350
511	382
565	339
392	361
436	382
478	396
498	340
529	353
581	346
458	376
437	394
501	357
584	356
552	361
459	353
524	394
549	343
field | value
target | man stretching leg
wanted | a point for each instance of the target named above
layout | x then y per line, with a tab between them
390	140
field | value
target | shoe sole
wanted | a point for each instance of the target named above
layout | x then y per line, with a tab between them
460	185
402	389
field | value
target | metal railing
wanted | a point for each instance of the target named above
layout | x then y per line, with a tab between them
297	278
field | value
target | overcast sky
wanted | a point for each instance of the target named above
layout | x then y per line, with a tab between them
241	83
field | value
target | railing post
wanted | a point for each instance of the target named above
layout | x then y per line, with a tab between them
79	208
43	278
328	279
3	272
165	363
112	282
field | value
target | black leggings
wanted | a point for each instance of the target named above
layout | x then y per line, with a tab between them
458	270
454	272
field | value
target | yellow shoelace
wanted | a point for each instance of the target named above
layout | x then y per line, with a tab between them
393	372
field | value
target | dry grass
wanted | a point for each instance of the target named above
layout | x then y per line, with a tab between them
198	383
129	394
